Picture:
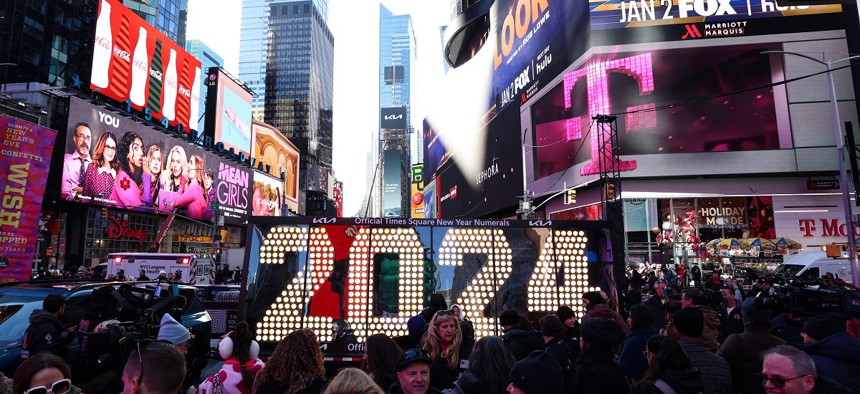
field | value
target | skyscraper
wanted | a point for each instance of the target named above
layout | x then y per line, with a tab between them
168	16
253	47
299	87
397	56
208	58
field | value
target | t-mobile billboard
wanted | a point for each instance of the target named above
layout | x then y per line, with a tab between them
112	160
135	63
695	115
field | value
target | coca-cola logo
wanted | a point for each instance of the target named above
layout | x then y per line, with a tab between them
184	91
124	55
171	83
103	42
121	229
140	65
155	74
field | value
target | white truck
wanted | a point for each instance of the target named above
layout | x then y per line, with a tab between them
186	265
812	265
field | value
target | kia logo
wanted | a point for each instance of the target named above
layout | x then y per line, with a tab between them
393	117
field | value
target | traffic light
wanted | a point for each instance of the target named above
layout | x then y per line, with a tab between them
570	197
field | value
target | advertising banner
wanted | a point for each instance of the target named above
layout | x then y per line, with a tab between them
391	176
337	197
417	181
431	200
637	83
627	21
393	118
135	63
25	160
114	161
228	112
267	199
278	157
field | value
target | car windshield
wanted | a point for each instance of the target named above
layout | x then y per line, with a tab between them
787	271
14	319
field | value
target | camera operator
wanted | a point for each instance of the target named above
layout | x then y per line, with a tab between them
45	331
694	298
743	351
731	317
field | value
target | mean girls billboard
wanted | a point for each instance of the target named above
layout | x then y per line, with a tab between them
113	161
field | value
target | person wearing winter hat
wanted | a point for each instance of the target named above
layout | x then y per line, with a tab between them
538	373
415	327
175	333
562	349
241	364
571	323
519	340
596	370
595	306
743	351
835	352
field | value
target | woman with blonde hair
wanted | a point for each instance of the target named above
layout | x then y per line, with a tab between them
175	173
192	197
353	381
151	176
296	366
447	347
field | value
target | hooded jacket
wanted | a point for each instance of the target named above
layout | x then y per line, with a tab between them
43	335
683	382
837	357
631	360
522	342
602	310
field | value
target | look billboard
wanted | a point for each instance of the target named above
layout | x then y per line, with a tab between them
228	112
24	165
135	63
114	161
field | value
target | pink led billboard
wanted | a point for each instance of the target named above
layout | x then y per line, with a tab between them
668	101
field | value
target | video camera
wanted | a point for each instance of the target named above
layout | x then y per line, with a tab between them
804	298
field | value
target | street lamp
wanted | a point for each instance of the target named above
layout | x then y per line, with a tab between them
840	147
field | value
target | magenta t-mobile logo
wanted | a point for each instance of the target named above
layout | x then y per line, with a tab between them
637	117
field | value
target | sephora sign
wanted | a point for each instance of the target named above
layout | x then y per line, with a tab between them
136	64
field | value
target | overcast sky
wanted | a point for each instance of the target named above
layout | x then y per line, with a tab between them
355	25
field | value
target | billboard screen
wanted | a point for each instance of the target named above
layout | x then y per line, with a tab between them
393	118
674	81
268	195
135	63
114	161
25	160
494	185
417	180
435	153
391	177
228	112
431	200
278	157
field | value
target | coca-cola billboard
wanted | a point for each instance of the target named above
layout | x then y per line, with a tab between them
136	64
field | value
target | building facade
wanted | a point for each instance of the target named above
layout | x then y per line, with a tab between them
168	16
299	86
253	47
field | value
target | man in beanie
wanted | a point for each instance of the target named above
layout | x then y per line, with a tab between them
538	373
835	352
743	351
413	373
595	306
563	350
596	370
519	339
175	333
687	327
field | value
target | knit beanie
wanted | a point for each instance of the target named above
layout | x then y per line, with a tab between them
539	373
602	332
415	325
820	327
509	318
172	331
689	321
564	313
551	326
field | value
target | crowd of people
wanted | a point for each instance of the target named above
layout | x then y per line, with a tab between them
663	337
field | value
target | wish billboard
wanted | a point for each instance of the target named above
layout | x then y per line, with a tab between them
113	161
136	64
